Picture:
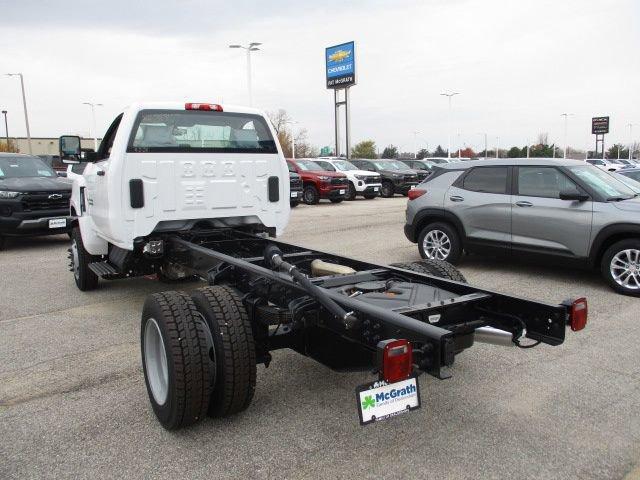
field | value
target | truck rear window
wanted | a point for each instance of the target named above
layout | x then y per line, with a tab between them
194	131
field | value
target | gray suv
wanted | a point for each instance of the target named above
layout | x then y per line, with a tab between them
562	209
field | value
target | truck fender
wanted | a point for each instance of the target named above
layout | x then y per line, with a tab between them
93	244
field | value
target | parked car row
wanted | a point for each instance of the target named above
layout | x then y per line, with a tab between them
337	179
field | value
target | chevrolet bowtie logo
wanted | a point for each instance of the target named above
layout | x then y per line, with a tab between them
55	196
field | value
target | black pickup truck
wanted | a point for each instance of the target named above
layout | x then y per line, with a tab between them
295	186
33	200
396	176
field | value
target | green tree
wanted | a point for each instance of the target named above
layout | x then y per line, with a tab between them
515	152
364	149
390	151
617	151
439	152
423	153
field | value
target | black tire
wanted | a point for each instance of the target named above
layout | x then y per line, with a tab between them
186	351
369	196
435	268
294	204
351	192
80	259
632	244
455	245
310	195
234	350
336	200
387	190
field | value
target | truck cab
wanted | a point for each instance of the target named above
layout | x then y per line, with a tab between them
166	167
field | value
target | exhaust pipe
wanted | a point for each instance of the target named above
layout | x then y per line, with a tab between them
494	336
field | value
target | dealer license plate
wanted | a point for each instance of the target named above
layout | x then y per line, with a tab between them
294	194
375	189
342	192
57	223
380	400
412	187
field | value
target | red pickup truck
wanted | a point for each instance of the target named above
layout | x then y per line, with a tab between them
318	183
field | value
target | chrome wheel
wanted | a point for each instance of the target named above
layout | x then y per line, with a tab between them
75	259
436	245
155	362
625	268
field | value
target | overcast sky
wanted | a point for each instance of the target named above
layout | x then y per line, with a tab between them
518	64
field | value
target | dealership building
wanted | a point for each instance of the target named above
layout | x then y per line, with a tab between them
44	146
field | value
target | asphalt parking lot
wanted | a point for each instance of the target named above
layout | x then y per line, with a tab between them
73	402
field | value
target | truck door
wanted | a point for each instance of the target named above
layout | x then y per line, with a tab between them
543	222
96	175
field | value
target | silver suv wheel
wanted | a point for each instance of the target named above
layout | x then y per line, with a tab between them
625	269
436	245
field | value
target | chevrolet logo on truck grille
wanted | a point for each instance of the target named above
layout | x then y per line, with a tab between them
55	196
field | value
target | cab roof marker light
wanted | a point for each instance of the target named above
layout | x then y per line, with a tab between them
208	107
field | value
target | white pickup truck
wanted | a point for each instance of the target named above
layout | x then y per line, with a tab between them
167	167
199	189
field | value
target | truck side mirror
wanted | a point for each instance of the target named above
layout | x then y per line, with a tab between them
70	149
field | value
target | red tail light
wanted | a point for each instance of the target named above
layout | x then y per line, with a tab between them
209	107
578	314
396	359
415	193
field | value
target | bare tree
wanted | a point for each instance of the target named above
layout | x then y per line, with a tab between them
543	138
279	119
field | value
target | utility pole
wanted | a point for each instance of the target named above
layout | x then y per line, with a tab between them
415	151
565	115
485	144
6	127
630	125
497	146
93	122
252	47
24	104
449	95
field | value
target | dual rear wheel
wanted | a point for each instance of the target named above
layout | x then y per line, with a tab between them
198	355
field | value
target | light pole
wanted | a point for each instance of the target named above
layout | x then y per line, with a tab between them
415	138
497	146
449	95
93	122
24	104
630	140
253	46
485	144
565	115
6	127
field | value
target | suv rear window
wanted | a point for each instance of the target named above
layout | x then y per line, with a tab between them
486	180
194	131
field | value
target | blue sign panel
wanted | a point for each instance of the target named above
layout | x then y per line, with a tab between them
341	65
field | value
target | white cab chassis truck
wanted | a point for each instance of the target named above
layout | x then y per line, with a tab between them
202	190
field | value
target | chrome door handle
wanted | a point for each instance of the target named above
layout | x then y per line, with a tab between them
524	204
456	198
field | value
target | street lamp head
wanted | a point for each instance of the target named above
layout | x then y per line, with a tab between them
254	44
235	46
4	112
253	49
